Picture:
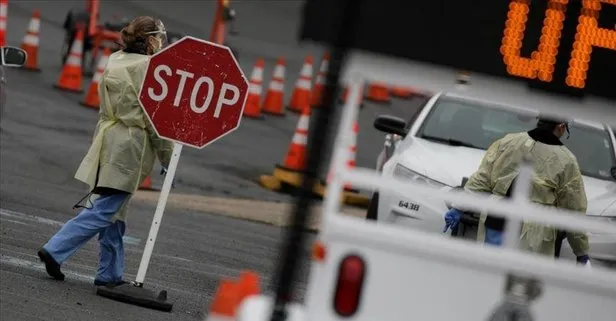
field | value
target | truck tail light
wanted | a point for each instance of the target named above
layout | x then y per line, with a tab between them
349	286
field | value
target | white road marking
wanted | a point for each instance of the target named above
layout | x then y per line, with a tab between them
16	222
33	218
30	218
40	267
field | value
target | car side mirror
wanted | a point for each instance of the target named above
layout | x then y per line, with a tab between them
13	56
613	171
391	125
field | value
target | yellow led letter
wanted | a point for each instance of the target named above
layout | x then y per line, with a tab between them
541	63
588	35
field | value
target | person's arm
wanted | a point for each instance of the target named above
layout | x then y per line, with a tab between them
572	196
480	180
162	147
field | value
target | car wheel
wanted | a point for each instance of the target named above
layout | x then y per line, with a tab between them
373	207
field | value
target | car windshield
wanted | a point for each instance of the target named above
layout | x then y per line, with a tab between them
462	122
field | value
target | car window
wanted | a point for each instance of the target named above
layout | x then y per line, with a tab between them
473	123
478	125
593	149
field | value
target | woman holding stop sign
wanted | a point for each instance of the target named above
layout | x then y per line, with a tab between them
123	151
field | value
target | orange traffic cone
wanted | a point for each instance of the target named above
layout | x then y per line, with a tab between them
300	99
402	92
91	99
30	44
319	83
352	160
249	284
225	302
274	97
295	159
71	77
146	185
4	14
253	102
378	92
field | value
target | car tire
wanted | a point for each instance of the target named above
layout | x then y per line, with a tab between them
373	207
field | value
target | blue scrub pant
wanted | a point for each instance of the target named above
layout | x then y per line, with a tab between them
494	237
79	230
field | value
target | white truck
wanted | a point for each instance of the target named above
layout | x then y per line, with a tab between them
366	270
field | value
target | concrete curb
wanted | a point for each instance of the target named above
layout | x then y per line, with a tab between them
272	213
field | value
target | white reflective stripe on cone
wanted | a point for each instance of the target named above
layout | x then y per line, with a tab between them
257	74
303	122
98	75
300	139
77	47
279	72
276	85
306	71
35	25
103	63
31	40
255	89
74	60
303	84
324	66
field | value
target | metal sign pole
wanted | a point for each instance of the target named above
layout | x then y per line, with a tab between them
158	214
318	137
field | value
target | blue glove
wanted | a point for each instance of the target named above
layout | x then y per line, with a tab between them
452	218
582	259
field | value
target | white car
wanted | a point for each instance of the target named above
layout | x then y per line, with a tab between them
445	141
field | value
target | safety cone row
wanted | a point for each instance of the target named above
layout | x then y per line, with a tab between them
4	15
71	76
91	99
30	43
230	294
253	101
305	95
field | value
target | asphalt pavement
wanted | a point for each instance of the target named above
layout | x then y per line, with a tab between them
45	133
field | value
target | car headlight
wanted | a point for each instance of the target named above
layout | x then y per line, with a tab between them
407	174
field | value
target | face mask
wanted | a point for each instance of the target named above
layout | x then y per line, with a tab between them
160	36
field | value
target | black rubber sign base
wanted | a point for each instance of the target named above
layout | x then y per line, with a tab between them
131	294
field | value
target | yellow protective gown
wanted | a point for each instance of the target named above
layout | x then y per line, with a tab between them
125	145
557	181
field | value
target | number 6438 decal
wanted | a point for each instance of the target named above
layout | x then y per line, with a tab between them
408	205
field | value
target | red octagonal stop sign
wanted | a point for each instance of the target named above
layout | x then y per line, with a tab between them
194	92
